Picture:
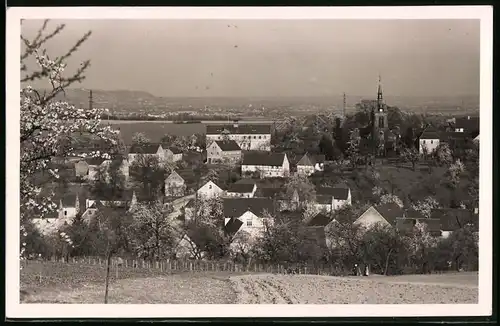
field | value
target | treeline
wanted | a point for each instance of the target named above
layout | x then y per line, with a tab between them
146	233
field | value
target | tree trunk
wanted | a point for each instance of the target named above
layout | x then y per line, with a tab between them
387	262
108	265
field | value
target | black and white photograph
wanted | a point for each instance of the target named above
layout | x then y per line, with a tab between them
202	157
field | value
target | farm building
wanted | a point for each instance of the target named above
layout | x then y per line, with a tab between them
242	189
248	136
266	164
146	150
225	152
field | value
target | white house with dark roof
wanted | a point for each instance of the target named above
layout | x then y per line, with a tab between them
246	214
248	136
242	189
147	150
332	198
210	190
385	214
267	164
223	151
309	164
175	185
429	140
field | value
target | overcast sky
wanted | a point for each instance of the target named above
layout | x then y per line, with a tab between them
275	57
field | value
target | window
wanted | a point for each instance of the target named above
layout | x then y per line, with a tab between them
209	186
260	137
249	223
65	213
432	141
423	141
254	137
381	122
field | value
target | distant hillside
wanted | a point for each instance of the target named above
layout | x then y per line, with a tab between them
135	101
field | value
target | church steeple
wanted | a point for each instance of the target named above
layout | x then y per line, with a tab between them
380	97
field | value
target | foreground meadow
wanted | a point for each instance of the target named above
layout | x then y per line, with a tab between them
75	283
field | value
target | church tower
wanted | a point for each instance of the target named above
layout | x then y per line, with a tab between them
380	122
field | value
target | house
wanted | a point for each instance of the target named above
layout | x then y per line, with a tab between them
408	225
172	154
468	125
452	219
385	214
309	164
93	166
175	185
221	151
248	136
146	150
248	213
242	189
429	140
266	164
69	207
276	194
126	198
332	198
210	190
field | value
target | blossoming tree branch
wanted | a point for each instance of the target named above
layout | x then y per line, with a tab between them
48	126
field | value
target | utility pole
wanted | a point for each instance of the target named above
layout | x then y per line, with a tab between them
344	106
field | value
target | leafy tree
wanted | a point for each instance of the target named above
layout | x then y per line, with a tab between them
154	230
412	156
48	125
139	138
345	243
301	186
391	198
394	117
327	148
114	224
148	171
422	248
443	155
426	206
385	249
461	248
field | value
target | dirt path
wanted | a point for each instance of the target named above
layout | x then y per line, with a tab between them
302	289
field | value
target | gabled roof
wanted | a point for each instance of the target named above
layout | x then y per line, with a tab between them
408	224
232	226
324	199
263	158
235	207
239	129
125	195
270	192
430	133
95	161
306	161
144	148
69	200
319	220
212	182
228	145
174	150
390	212
454	218
241	187
339	193
173	175
413	213
469	123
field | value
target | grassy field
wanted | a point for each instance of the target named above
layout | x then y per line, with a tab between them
75	283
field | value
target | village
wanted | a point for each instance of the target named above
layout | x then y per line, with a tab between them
246	182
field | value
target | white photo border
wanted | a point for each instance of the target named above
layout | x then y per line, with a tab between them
16	310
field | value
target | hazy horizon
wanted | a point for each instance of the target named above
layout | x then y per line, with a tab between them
275	58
